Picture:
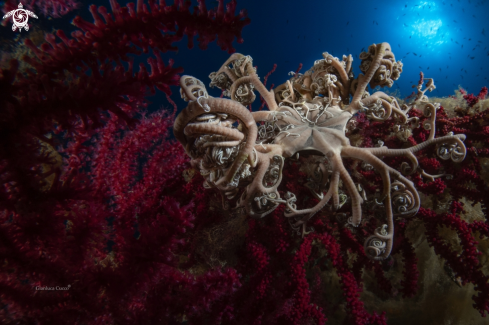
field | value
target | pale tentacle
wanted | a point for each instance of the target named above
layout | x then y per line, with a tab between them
193	129
457	139
380	236
408	194
430	111
345	82
266	199
356	199
246	75
406	169
220	105
333	190
261	116
380	166
222	144
380	52
385	171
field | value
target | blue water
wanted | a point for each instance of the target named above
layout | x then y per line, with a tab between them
447	40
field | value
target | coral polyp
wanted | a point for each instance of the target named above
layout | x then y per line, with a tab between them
307	120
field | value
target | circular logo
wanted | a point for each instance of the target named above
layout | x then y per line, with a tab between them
20	18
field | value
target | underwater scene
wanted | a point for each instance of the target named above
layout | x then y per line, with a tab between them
244	162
